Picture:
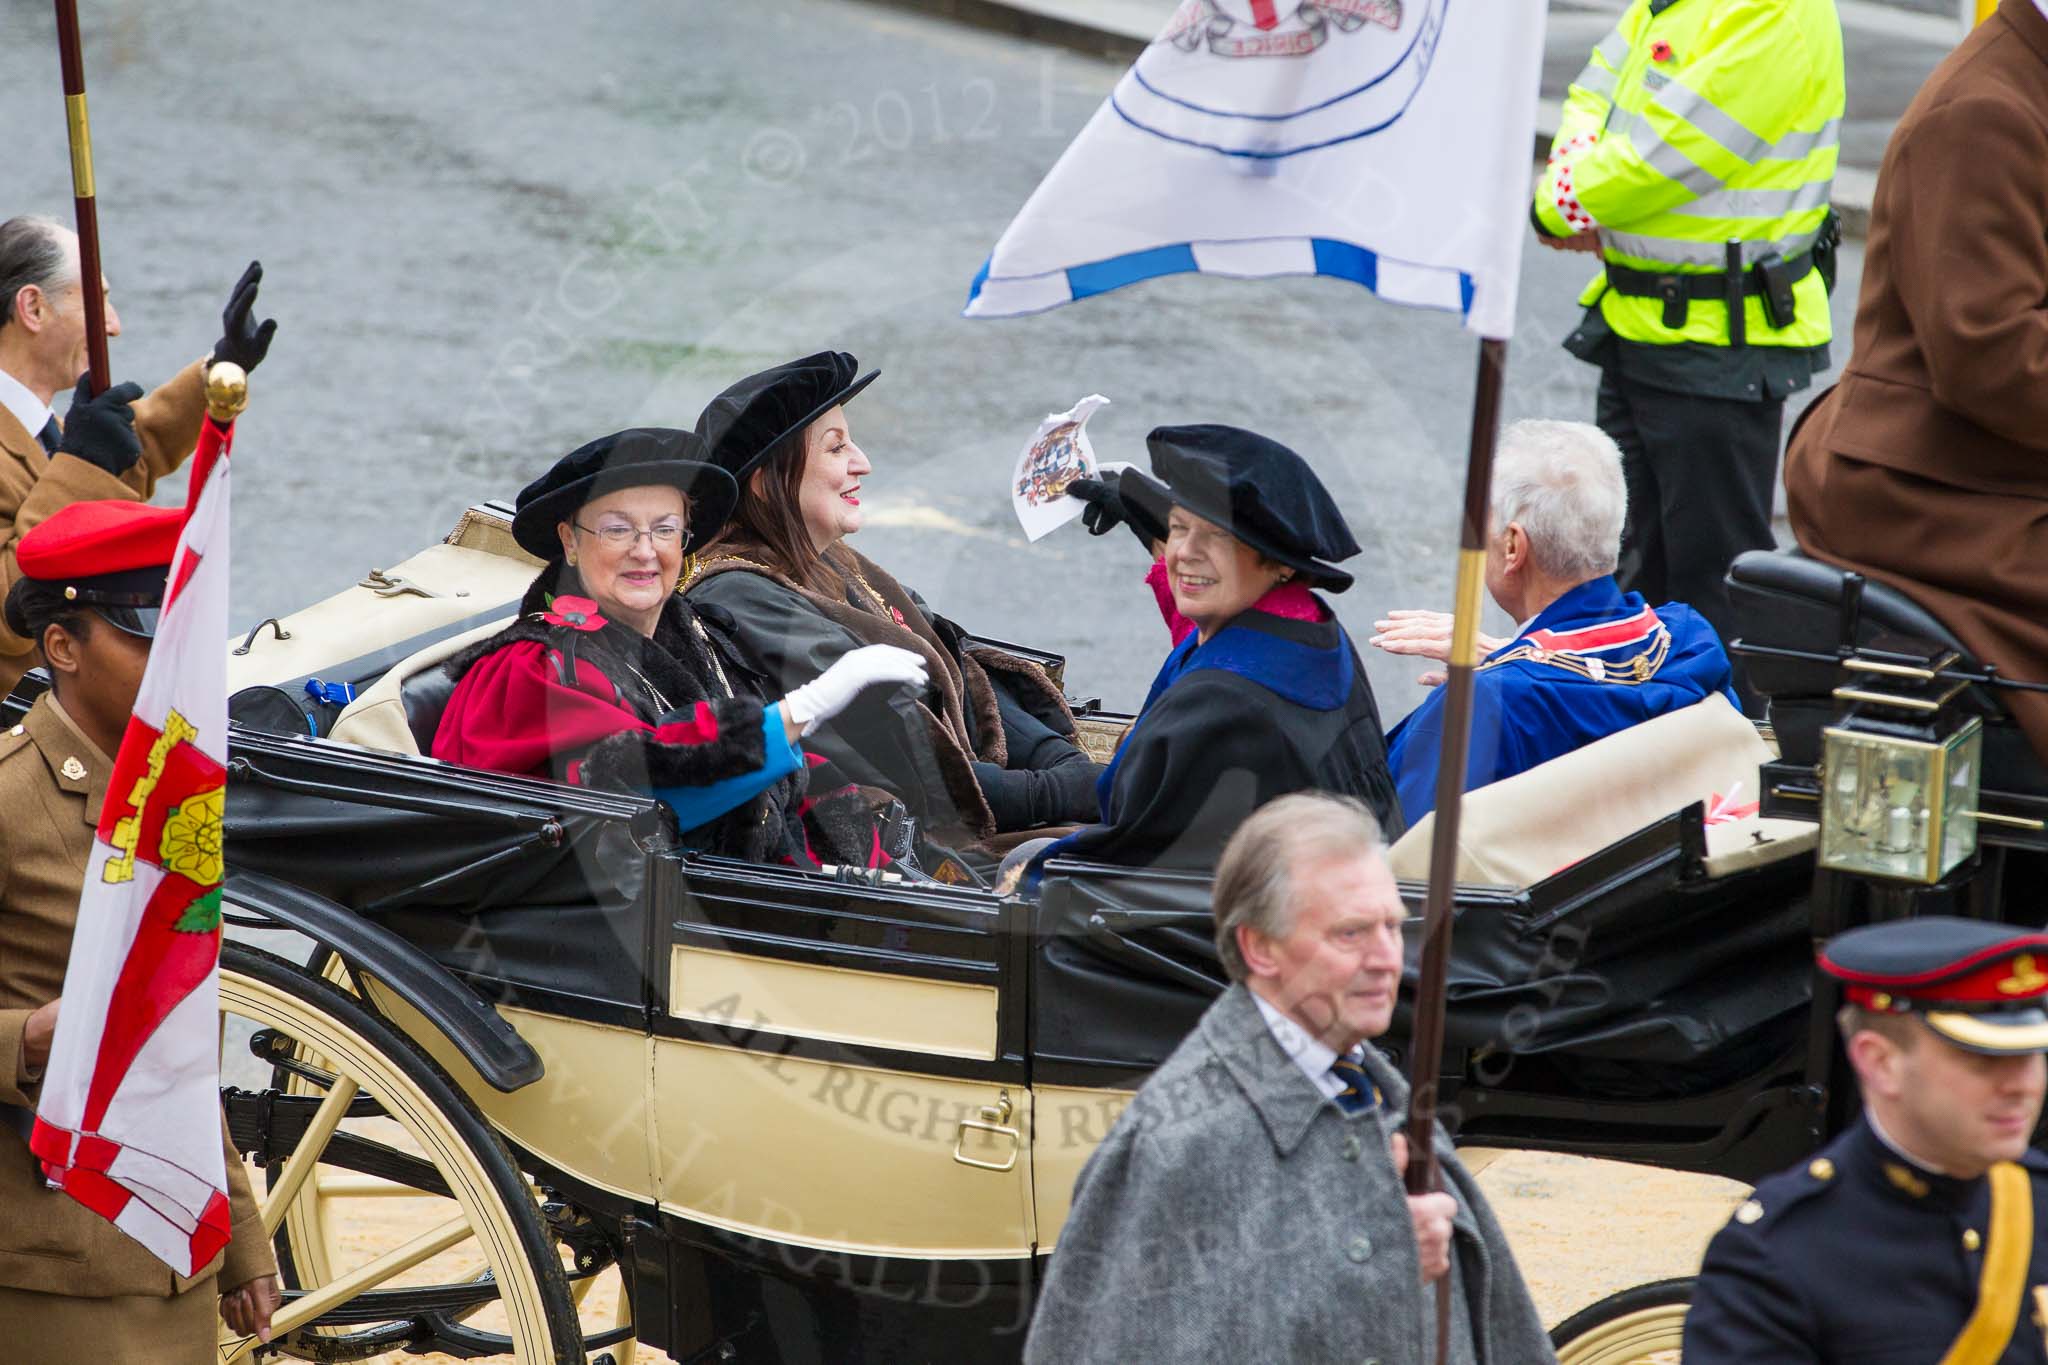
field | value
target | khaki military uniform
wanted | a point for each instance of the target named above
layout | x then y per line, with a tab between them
33	483
73	1288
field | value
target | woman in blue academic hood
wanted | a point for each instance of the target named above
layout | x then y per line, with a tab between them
1263	693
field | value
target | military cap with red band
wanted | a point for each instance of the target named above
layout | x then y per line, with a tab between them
1981	986
110	555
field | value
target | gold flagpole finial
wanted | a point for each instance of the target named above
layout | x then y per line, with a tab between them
227	391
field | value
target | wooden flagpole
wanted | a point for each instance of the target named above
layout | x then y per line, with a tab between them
90	277
1425	1063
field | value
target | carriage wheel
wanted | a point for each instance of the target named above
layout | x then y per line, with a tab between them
1644	1325
364	1112
321	1213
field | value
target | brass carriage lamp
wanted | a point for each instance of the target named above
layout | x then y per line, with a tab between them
1900	777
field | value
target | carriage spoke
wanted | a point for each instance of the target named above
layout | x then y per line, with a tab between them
362	1187
306	1155
304	1309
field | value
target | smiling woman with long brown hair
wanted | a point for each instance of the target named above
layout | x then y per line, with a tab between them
987	749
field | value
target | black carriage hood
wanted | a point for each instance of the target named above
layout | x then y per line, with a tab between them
518	885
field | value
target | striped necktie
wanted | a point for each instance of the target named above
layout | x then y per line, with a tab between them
49	436
1359	1095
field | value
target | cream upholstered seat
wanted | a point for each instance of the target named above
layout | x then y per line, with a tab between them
376	719
1524	828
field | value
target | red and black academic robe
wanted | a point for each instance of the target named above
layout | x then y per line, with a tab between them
605	707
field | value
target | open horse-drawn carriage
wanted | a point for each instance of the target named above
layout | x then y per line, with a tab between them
778	1115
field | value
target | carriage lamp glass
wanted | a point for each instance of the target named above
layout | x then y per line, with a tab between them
1893	806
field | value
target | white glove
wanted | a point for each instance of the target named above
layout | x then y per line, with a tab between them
832	691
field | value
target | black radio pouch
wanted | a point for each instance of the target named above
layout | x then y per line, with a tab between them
1774	281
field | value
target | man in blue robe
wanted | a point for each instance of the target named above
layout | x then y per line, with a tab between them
1589	659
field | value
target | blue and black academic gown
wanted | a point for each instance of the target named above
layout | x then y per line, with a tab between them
1268	706
1595	661
1859	1256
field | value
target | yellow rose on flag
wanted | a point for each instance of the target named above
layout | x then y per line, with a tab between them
191	844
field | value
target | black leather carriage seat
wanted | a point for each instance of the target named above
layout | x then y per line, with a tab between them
1785	599
425	696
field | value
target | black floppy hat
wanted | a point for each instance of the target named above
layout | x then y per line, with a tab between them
1258	490
634	458
753	418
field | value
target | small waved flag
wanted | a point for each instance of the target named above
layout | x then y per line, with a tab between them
1385	142
129	1122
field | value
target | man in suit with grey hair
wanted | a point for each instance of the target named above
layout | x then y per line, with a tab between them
116	444
1248	1205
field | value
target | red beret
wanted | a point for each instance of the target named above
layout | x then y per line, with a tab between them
89	539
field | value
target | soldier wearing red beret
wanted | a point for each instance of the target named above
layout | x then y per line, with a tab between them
72	1286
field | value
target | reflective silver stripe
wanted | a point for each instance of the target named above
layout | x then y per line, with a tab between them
1758	203
1596	80
1736	136
1668	161
1799	146
1704	115
1706	255
1614	48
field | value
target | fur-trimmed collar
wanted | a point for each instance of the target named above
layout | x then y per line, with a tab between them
679	665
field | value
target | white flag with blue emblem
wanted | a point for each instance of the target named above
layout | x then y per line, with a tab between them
1386	142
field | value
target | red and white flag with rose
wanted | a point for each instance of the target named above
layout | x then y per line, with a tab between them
129	1123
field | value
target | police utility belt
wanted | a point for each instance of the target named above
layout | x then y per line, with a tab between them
1770	278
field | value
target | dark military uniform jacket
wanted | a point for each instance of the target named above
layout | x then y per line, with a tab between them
1861	1257
53	781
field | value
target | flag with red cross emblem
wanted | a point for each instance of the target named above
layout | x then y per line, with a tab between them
129	1122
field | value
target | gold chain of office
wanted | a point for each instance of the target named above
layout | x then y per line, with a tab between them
1630	672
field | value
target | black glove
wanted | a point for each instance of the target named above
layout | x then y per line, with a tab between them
1108	509
242	340
1074	777
101	430
1105	509
1025	798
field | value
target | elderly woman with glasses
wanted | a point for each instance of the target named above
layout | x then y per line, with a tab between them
609	679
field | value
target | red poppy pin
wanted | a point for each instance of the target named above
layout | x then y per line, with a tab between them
578	613
1660	51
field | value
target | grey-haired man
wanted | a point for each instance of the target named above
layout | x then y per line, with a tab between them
1248	1205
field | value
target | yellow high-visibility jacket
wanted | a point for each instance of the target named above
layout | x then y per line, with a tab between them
1694	122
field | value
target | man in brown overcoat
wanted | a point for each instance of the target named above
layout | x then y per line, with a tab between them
1927	466
75	1290
42	351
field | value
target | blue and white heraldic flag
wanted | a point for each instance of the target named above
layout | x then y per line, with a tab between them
1386	142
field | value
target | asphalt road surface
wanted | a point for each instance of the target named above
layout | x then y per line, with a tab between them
493	232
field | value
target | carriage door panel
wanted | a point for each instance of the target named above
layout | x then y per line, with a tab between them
831	1070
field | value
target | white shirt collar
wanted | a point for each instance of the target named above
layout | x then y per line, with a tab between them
32	412
1312	1055
1871	1116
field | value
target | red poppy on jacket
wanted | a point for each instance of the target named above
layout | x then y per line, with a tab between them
579	613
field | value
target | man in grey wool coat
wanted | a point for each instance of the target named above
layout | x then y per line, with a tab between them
1248	1205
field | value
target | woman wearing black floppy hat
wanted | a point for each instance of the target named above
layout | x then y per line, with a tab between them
988	749
609	679
1263	693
